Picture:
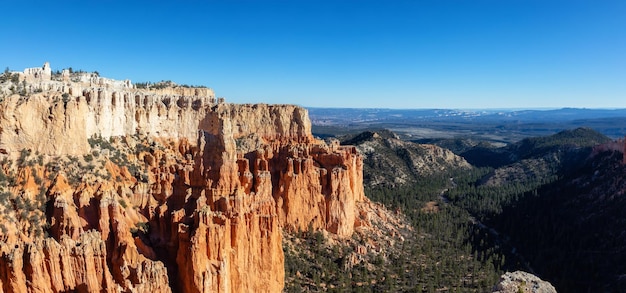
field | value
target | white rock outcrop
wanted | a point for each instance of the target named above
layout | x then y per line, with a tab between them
518	281
57	114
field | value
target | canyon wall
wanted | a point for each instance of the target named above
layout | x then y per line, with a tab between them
111	188
59	123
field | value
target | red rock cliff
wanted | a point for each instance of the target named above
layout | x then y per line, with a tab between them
157	211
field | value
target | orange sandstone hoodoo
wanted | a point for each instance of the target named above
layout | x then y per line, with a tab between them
196	202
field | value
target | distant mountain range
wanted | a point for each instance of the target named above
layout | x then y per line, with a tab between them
496	125
323	116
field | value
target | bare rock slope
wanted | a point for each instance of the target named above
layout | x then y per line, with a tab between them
383	151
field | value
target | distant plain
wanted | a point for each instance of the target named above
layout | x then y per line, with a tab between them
496	126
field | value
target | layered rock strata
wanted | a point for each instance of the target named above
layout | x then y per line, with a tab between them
160	190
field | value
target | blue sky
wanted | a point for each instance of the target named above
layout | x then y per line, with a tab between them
391	54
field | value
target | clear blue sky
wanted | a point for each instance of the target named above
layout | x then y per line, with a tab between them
392	54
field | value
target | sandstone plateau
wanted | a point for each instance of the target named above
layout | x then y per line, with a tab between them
106	187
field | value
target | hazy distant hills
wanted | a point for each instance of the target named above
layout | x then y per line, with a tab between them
485	154
493	125
321	116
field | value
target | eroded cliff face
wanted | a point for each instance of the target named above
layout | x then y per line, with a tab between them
58	123
117	189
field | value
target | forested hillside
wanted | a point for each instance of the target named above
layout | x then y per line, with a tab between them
572	230
443	251
545	205
559	204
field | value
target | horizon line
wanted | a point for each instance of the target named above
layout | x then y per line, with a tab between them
473	109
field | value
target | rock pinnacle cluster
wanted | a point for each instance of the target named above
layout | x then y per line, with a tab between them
108	187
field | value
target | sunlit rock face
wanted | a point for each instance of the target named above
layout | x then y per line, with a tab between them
111	188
